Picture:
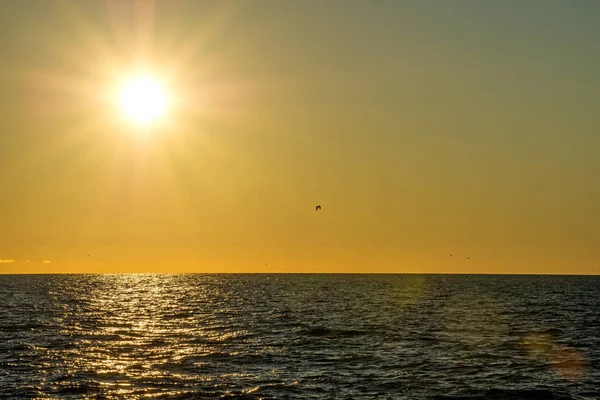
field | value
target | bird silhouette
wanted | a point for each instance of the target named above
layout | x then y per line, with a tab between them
317	208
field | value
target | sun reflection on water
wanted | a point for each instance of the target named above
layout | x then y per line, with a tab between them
143	326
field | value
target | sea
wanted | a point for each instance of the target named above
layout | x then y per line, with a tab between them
299	336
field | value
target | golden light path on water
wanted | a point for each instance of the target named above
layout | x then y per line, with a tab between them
140	326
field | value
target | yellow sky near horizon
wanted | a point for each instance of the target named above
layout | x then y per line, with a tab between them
422	129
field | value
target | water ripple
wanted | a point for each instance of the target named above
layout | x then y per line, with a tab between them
299	336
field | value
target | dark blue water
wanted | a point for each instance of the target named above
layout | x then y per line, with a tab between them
300	336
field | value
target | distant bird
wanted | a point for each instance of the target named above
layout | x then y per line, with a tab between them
450	255
317	208
468	258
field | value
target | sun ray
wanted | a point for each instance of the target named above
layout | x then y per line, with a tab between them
184	54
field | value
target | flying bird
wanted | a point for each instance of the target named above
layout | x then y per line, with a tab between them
317	208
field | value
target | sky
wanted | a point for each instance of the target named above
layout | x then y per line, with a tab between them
438	137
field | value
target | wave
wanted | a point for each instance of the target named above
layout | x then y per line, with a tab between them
241	342
321	331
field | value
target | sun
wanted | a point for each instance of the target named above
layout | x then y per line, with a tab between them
143	100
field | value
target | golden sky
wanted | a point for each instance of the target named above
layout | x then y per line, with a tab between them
423	129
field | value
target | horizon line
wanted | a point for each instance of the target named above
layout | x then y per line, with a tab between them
296	273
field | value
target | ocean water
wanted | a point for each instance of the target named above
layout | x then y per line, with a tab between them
299	336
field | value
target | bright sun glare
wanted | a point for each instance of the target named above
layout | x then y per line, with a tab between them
143	100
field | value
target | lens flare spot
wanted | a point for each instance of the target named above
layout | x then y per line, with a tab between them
565	361
569	363
410	292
